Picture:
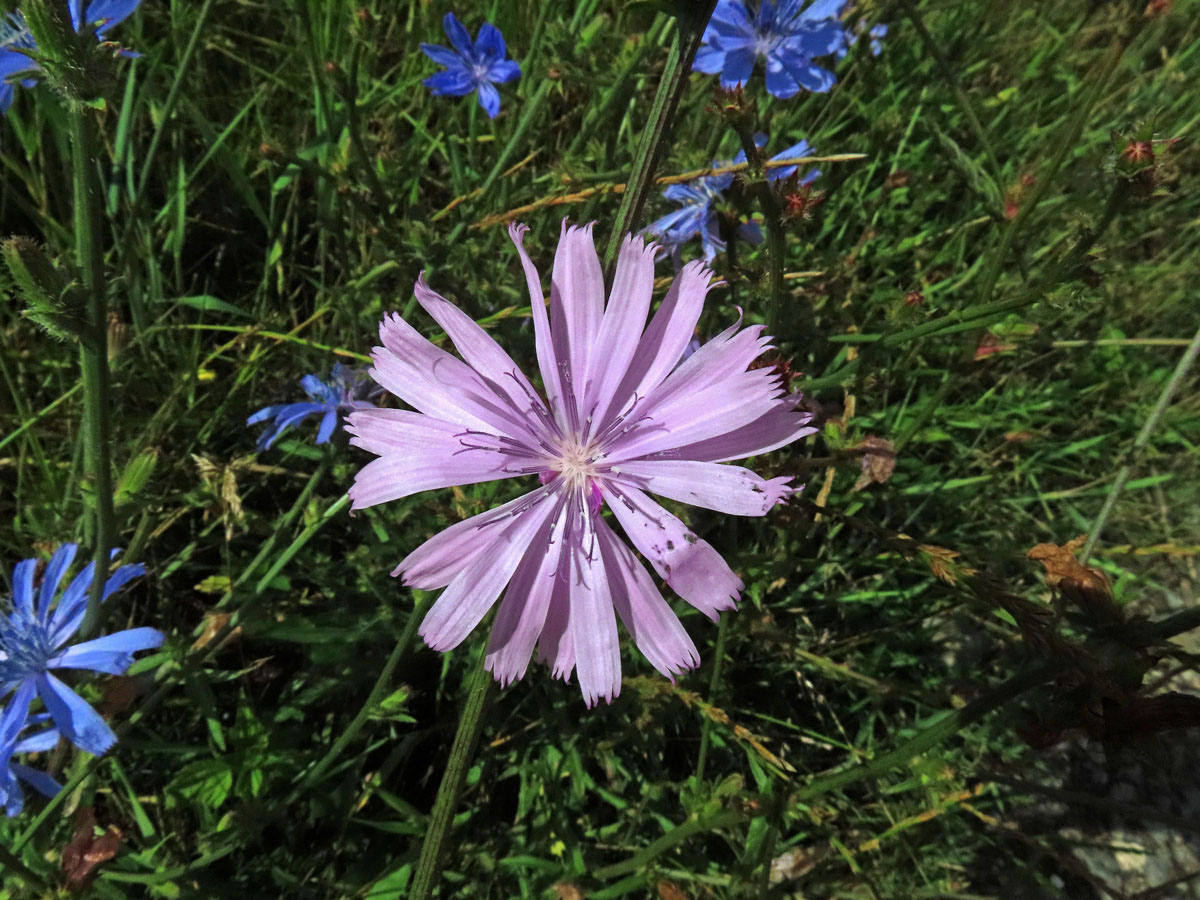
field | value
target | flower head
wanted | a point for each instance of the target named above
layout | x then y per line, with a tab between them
329	399
471	65
876	34
782	33
622	419
697	214
34	638
16	42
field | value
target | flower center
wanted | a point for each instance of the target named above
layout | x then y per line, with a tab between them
24	648
575	462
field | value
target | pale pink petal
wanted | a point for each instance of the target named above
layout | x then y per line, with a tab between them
725	488
576	305
690	566
440	384
726	406
770	431
421	453
523	610
473	591
624	319
665	338
554	645
543	341
593	625
444	556
655	628
478	348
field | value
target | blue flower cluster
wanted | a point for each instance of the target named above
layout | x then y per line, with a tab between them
329	399
783	34
35	639
697	214
16	43
472	66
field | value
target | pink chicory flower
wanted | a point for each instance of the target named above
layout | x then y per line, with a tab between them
624	419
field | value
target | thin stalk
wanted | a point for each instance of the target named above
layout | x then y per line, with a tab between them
773	216
713	684
470	724
381	684
93	358
1143	438
691	19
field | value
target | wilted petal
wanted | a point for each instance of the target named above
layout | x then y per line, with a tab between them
471	594
689	565
655	628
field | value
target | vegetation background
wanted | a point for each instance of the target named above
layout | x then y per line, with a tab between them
991	289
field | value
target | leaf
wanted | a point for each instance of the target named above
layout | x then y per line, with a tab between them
137	472
207	781
209	303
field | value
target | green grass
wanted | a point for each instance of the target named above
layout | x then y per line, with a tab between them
275	177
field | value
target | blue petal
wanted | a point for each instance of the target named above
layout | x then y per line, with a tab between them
16	714
328	423
318	390
39	781
796	151
69	616
816	79
490	43
111	654
709	59
818	40
12	62
750	233
459	36
503	72
10	792
7	94
78	722
824	9
267	412
75	8
781	83
739	66
451	83
489	99
443	56
59	563
75	594
39	743
22	599
114	12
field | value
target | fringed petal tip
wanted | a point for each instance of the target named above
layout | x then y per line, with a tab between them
591	701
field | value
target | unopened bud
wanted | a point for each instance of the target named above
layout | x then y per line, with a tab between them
71	62
51	298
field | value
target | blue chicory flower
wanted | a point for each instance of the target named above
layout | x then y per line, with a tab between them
15	38
697	214
876	34
33	641
12	722
782	33
327	399
471	65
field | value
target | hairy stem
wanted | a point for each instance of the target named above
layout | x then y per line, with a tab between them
93	359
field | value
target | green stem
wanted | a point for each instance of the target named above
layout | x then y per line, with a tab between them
713	684
381	684
773	216
93	359
470	724
1160	406
692	17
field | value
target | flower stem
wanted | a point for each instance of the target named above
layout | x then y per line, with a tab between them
691	19
470	724
773	216
93	359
